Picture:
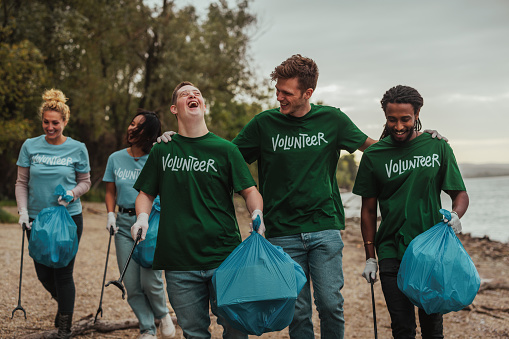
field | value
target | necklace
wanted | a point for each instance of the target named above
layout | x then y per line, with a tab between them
135	157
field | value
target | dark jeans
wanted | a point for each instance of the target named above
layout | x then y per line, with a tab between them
402	310
59	282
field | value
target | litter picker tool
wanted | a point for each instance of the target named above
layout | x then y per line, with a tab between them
100	309
19	307
118	282
373	303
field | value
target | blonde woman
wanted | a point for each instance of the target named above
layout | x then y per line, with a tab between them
43	163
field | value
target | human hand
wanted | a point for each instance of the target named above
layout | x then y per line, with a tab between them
455	222
141	223
23	218
261	226
435	134
370	270
63	200
112	223
166	137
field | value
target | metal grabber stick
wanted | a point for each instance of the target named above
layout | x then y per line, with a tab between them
19	307
100	309
373	303
118	282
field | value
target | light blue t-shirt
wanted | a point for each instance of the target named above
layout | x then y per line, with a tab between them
51	165
123	170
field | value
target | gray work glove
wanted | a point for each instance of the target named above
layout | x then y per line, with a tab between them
112	222
455	222
23	218
63	201
141	223
370	270
261	228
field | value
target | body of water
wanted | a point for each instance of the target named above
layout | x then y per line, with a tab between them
487	214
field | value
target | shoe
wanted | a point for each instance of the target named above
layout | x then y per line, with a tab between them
167	327
64	326
147	335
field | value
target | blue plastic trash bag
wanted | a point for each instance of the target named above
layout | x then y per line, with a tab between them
436	273
54	238
257	285
144	252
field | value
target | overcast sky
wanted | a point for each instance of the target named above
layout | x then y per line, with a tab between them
455	53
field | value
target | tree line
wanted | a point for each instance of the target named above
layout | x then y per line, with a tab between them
112	57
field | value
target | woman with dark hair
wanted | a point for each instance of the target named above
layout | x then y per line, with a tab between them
145	288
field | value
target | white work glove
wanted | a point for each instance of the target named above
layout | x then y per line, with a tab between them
455	222
370	270
23	218
112	223
141	223
165	137
435	134
261	228
61	200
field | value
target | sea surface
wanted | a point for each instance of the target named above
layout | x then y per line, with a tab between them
487	214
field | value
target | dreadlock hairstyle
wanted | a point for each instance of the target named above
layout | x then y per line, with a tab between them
145	134
297	66
403	95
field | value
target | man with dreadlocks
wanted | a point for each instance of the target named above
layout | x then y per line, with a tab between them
405	172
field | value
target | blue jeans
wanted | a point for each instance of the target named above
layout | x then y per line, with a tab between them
402	310
144	286
59	282
190	293
320	255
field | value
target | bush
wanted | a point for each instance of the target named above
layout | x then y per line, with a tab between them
7	218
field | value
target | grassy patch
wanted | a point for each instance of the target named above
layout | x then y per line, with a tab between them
7	218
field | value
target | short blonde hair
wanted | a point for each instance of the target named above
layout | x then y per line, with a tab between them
54	100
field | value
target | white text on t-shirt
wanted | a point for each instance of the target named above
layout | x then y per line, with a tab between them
124	174
300	141
405	165
189	164
54	160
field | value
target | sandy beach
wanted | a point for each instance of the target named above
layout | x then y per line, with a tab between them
487	317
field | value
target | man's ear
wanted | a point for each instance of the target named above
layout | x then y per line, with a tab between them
173	109
308	93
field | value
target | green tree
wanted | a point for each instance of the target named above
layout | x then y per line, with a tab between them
111	57
347	170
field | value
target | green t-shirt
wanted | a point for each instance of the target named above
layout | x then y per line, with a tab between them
407	181
297	160
195	178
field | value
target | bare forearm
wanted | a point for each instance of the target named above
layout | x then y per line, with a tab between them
110	197
144	203
368	225
253	199
460	202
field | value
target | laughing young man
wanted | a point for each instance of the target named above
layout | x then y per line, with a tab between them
297	147
405	173
195	176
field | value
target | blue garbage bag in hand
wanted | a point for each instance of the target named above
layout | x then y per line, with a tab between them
436	273
54	238
144	252
257	286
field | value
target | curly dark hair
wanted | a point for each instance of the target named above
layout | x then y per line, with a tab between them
147	132
403	95
297	66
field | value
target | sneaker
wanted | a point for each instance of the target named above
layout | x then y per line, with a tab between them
147	335
167	327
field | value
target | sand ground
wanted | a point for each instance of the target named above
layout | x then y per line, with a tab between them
488	318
